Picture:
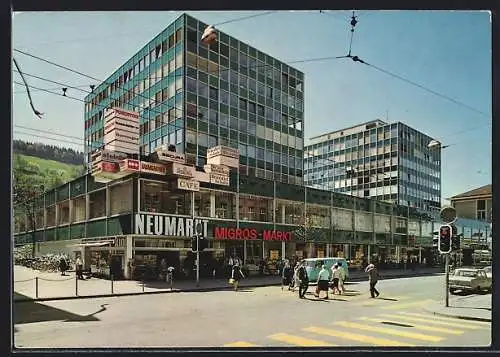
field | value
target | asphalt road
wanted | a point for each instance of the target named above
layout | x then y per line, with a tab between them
250	317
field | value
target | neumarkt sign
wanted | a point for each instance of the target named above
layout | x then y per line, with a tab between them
163	225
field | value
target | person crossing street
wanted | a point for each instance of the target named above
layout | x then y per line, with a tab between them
303	280
373	276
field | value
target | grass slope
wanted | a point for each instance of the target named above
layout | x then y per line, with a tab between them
66	172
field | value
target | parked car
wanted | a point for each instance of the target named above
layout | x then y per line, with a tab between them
488	272
469	279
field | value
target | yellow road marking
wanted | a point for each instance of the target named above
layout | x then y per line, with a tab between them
298	341
389	331
240	344
403	306
354	337
418	327
481	323
433	322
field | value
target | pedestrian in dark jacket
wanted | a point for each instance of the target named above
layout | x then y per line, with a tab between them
236	275
63	266
303	280
373	276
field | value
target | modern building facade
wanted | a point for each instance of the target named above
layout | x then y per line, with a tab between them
388	162
474	204
140	218
197	97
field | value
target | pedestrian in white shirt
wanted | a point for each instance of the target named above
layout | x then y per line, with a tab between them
336	278
323	279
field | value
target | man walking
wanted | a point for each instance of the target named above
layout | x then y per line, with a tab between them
79	267
373	276
303	280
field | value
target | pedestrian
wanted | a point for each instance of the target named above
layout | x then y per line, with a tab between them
342	279
322	283
373	276
296	279
303	280
163	267
236	275
79	267
286	276
335	279
63	266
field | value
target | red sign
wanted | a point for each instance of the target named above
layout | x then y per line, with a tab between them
222	233
130	165
109	166
277	235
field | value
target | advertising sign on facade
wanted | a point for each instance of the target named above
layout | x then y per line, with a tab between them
165	155
223	151
111	156
121	146
216	169
188	185
223	233
115	111
180	170
224	161
219	179
151	224
130	165
152	168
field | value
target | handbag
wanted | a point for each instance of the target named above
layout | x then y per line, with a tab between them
231	281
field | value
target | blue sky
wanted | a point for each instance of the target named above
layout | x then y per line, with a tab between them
446	51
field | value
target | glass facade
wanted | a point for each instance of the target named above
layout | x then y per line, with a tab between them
196	97
389	162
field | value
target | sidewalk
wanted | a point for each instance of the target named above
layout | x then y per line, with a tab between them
34	285
467	307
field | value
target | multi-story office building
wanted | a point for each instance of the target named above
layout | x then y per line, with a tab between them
197	97
389	162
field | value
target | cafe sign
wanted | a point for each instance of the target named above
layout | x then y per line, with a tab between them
173	226
188	185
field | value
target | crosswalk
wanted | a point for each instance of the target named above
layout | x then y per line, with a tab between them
385	329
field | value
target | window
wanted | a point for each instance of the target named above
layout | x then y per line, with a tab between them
233	100
224	97
120	198
202	90
260	110
251	107
213	93
97	204
243	104
79	209
191	84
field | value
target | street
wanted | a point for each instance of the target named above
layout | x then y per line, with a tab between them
263	317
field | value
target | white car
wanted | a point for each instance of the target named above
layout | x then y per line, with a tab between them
488	272
469	279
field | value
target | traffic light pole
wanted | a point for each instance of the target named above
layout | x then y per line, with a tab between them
447	280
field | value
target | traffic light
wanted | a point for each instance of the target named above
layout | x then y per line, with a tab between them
194	243
445	235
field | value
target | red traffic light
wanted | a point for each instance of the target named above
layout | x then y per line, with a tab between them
445	231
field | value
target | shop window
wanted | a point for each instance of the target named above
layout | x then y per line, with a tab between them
202	204
63	213
120	198
256	208
97	204
51	216
79	209
225	204
158	197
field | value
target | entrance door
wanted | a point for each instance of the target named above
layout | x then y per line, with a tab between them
172	258
115	267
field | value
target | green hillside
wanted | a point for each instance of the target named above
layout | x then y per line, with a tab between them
50	173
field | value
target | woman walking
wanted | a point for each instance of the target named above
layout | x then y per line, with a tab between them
373	276
236	275
336	276
287	276
323	279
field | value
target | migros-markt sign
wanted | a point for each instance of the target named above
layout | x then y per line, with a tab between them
154	224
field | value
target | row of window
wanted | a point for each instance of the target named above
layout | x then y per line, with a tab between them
140	65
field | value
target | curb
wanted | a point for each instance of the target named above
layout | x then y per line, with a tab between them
458	317
199	289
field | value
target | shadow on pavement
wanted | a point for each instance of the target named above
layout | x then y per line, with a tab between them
30	312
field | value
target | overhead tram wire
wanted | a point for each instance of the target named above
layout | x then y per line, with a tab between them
48	138
353	23
35	111
244	18
53	88
49	132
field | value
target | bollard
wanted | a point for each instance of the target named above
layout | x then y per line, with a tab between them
76	285
36	287
111	284
143	286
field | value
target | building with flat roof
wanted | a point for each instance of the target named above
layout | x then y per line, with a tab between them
474	204
196	97
387	161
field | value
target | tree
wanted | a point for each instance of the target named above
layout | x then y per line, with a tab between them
28	185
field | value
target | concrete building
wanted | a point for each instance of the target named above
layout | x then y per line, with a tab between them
474	204
388	162
196	97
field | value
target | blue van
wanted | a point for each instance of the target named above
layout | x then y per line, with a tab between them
313	266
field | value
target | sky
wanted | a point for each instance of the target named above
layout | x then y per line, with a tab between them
448	52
